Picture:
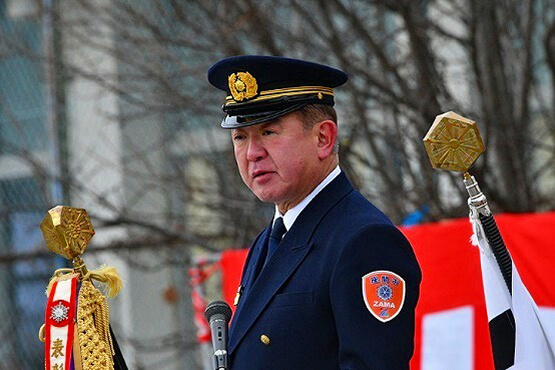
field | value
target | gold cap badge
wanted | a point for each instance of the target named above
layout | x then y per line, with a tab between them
242	85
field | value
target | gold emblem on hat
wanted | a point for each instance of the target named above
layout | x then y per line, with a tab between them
453	142
242	85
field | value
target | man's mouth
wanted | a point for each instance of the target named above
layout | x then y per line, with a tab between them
259	173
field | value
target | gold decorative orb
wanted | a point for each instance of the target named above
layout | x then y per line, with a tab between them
67	231
453	142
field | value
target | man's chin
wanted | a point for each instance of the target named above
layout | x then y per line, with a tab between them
266	197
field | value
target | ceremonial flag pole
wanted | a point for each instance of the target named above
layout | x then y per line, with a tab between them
518	337
77	333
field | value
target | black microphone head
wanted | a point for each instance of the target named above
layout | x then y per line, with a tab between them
217	307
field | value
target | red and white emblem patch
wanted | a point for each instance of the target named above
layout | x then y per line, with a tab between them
384	294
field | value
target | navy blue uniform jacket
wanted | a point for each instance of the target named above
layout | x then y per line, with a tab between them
308	298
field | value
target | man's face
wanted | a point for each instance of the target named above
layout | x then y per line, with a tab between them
278	160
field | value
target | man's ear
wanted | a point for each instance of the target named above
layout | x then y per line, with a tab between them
327	134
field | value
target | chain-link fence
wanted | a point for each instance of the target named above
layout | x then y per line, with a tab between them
23	135
36	158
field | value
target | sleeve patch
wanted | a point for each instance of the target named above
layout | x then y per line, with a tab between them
384	294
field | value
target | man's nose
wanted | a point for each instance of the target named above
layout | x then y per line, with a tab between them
255	150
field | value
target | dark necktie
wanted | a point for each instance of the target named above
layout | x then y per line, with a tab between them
275	237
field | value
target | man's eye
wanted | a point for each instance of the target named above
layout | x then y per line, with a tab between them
268	132
238	137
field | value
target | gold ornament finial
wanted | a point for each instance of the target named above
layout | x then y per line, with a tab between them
453	142
67	231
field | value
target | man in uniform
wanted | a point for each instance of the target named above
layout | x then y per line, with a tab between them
330	283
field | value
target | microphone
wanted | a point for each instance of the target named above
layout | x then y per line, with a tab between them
218	314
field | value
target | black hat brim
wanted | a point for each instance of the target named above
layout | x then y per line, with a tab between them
246	120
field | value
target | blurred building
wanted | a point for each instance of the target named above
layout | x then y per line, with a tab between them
55	121
25	147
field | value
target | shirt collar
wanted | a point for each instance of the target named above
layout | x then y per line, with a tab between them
291	215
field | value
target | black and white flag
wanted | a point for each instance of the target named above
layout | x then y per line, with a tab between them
519	338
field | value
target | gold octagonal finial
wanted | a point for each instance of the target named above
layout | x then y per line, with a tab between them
67	231
453	142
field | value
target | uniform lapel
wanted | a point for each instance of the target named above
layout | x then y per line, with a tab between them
281	265
290	253
257	259
252	261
